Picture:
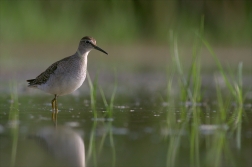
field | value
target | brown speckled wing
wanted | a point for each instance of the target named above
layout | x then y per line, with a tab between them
44	76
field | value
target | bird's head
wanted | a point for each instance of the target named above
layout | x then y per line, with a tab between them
88	43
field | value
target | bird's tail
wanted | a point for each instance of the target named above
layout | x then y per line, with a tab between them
30	81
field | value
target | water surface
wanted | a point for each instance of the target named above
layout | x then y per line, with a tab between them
140	133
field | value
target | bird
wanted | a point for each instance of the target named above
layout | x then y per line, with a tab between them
63	144
66	75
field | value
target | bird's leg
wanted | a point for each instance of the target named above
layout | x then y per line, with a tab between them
53	104
53	107
56	106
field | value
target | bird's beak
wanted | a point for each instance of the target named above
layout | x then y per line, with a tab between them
97	48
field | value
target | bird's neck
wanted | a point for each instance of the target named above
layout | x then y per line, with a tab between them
82	53
83	58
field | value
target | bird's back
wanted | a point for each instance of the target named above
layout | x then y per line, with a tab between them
62	77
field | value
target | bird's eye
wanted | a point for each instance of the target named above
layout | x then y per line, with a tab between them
87	42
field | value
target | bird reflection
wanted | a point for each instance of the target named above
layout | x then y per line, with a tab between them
65	145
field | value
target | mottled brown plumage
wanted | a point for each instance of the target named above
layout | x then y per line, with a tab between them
44	76
66	75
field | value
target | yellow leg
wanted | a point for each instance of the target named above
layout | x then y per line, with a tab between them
56	104
54	108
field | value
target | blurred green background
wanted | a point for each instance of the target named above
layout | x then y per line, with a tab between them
125	22
135	33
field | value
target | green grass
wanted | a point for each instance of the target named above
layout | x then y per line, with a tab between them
190	90
95	148
91	152
109	106
13	122
93	94
191	95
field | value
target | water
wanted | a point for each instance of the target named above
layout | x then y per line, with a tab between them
137	134
144	129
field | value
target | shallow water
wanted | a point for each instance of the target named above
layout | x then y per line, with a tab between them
137	134
143	130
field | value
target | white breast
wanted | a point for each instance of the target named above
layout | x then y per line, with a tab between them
67	77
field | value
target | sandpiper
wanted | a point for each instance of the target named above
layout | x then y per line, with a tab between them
66	75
